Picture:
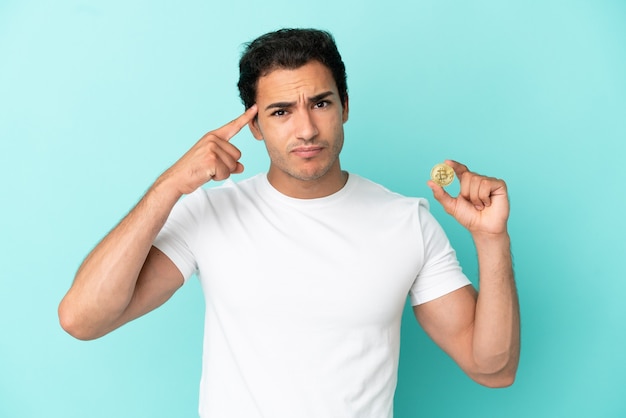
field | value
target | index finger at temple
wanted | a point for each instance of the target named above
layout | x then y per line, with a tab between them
233	127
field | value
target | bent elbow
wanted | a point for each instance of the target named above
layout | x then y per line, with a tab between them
498	377
70	322
497	381
507	381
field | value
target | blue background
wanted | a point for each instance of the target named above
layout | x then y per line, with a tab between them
97	98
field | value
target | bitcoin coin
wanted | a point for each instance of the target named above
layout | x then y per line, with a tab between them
442	174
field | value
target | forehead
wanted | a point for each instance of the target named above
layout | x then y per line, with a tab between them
287	84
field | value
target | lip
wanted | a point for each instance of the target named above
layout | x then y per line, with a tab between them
307	152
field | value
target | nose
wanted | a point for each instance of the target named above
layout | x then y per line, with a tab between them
305	127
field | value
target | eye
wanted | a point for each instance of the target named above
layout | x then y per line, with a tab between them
322	104
279	112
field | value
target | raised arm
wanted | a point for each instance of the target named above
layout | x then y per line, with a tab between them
480	331
124	276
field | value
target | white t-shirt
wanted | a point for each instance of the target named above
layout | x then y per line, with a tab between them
304	297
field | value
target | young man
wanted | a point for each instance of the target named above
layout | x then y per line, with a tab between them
306	269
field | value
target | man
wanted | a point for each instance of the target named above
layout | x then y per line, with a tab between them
305	270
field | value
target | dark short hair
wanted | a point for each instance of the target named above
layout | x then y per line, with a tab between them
289	49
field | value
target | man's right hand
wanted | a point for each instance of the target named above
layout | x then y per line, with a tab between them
213	157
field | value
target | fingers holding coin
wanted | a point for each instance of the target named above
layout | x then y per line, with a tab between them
475	188
479	190
482	203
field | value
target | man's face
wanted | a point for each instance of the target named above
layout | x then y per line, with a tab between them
301	119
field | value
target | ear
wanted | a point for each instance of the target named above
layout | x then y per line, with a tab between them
346	110
255	129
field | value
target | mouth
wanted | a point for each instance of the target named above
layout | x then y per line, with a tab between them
307	151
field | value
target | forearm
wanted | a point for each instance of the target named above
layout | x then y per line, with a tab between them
105	283
496	337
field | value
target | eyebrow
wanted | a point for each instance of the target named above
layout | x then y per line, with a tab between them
313	99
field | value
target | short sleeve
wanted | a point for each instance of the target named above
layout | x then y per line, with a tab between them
441	272
178	234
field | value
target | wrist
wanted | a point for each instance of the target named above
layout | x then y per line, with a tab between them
501	239
164	192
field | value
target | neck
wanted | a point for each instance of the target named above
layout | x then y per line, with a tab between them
298	188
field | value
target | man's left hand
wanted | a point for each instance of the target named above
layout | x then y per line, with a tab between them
482	205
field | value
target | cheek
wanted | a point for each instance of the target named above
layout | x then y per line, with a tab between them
271	129
272	140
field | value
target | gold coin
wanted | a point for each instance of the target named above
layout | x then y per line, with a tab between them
442	174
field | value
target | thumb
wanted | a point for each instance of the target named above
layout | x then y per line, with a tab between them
447	201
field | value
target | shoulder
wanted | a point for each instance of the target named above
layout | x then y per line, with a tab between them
228	189
377	193
217	198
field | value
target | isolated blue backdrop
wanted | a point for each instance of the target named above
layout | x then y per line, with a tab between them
97	98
